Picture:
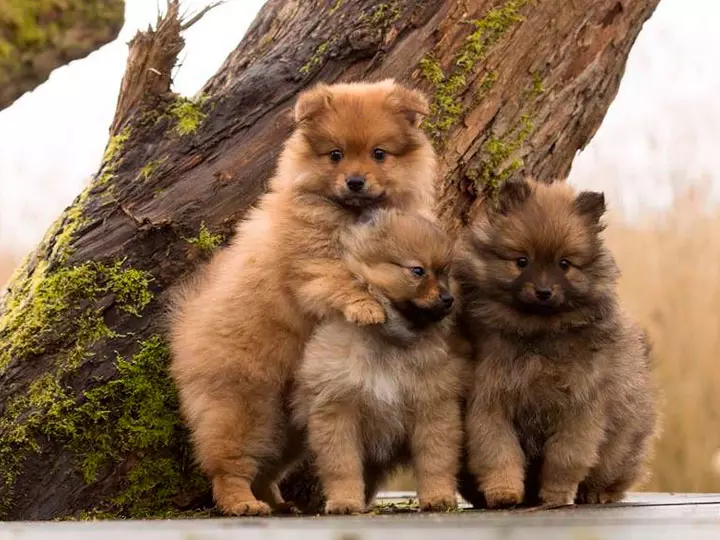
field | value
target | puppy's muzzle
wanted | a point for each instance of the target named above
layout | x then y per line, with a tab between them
355	183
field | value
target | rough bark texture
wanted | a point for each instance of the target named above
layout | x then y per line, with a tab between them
87	415
40	35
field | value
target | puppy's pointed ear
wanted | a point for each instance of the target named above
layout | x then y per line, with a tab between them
311	102
512	194
591	204
411	103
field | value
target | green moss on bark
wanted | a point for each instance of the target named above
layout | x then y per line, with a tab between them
188	115
497	162
134	413
447	106
205	240
58	315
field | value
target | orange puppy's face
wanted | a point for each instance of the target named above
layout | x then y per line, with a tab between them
360	144
406	259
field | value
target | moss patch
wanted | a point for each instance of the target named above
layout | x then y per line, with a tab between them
55	302
188	115
446	106
318	56
149	169
337	5
496	162
59	316
112	156
385	14
135	413
205	240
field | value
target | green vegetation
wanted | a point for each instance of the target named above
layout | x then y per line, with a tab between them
338	4
318	56
385	14
27	27
205	240
56	313
496	164
149	169
447	107
111	157
188	115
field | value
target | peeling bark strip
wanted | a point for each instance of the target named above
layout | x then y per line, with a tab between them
37	37
88	421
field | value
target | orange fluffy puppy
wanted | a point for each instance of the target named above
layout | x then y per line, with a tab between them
239	328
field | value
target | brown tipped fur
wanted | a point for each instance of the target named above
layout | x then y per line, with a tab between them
238	329
374	397
561	406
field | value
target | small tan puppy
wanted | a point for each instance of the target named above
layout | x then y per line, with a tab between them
374	397
562	406
239	328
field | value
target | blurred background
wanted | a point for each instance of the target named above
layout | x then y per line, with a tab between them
655	157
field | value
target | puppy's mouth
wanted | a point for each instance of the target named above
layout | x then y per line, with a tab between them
359	201
422	316
541	309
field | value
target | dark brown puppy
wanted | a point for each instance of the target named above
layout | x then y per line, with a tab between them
238	330
374	397
562	395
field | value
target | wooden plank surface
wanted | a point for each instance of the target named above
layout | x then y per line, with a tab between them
643	516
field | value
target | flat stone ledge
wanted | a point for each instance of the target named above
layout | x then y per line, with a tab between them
651	516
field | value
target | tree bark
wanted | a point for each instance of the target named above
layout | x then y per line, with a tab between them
37	37
88	419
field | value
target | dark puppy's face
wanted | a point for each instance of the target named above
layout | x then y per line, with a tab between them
540	251
361	142
406	259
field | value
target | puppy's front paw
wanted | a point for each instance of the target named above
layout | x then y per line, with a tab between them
440	503
365	312
557	496
504	496
344	507
247	508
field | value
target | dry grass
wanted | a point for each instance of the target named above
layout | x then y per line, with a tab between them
671	283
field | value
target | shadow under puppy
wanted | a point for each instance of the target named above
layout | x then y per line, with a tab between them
561	407
376	397
239	327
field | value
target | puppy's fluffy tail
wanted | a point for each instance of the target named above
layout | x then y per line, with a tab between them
179	296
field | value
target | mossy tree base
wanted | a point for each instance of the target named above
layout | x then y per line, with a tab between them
88	421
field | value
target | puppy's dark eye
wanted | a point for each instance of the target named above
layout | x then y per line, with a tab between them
379	154
565	265
336	155
522	262
418	271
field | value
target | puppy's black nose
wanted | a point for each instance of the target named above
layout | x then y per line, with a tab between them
543	293
355	183
446	298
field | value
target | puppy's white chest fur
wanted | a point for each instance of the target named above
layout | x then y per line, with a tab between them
382	386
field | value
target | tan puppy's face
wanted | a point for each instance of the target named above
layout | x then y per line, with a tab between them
406	259
361	143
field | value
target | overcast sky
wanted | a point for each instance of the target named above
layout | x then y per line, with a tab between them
663	131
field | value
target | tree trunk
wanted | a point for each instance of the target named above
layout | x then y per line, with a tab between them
37	37
88	420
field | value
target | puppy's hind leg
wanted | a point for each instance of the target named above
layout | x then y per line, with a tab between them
235	439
